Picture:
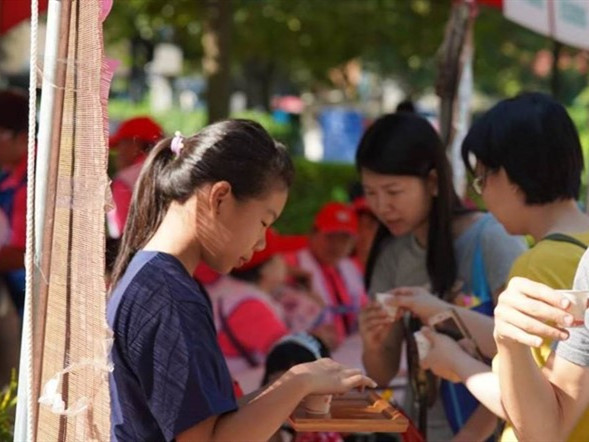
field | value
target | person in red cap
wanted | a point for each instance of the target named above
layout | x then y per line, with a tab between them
132	141
252	295
334	275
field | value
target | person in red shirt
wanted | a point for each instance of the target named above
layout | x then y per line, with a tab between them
253	294
4	229
132	141
14	114
335	276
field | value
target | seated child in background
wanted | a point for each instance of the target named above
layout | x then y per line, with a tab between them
256	293
292	350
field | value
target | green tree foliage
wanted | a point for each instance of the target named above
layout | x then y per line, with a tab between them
8	409
315	184
301	40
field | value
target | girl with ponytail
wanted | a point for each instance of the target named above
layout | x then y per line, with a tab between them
205	198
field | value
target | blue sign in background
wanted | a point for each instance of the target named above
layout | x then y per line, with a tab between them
342	130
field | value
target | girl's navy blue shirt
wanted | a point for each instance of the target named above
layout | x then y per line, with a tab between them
169	373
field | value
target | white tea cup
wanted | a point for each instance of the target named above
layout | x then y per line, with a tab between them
579	303
423	344
384	299
317	403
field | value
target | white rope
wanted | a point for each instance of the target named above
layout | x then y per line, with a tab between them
52	398
29	259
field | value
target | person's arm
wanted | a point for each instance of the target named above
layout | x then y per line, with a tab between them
480	327
500	251
381	343
276	403
542	404
382	336
425	305
484	385
449	361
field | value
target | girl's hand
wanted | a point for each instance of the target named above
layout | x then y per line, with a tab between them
325	376
524	311
374	324
419	301
442	355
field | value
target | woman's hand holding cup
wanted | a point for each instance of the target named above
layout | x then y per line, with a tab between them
527	312
374	324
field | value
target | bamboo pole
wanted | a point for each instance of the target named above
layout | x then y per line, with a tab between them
54	75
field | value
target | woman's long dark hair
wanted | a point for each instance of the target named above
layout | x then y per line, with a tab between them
237	151
406	144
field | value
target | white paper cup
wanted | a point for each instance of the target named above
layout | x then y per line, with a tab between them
423	344
579	303
385	299
317	403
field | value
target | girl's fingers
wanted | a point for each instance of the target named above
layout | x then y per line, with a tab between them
535	308
358	380
536	290
370	314
380	322
516	334
530	325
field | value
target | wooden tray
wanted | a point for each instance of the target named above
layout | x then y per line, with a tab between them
353	412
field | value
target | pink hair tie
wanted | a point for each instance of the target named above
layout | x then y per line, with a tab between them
177	143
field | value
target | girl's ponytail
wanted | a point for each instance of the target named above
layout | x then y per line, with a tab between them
148	207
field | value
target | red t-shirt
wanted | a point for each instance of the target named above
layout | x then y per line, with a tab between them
121	195
18	219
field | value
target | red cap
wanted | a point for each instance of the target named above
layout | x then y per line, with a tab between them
275	244
336	218
138	128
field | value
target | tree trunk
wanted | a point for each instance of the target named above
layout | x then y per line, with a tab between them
258	75
216	41
555	84
449	67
